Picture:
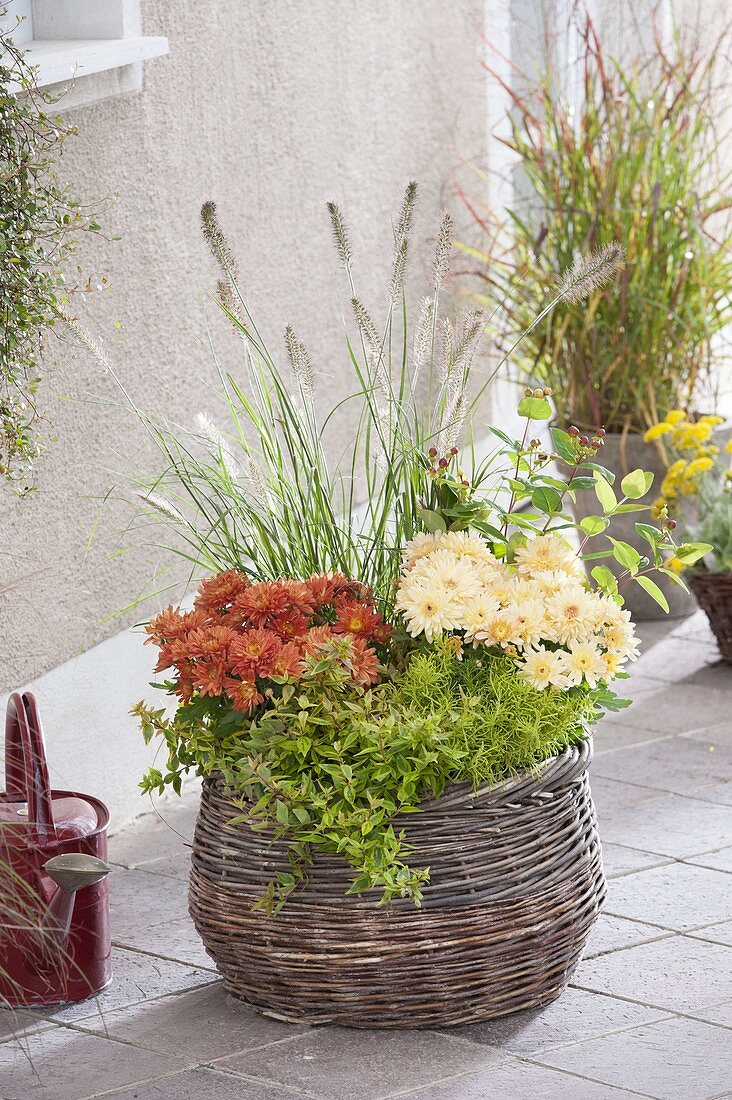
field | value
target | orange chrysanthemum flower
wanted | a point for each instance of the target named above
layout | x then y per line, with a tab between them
210	677
253	649
261	602
287	661
316	637
243	694
216	594
206	641
289	626
184	687
171	624
300	597
366	666
353	617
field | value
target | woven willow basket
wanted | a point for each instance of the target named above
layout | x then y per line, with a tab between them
516	883
713	592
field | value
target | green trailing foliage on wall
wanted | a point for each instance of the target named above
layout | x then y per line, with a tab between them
40	225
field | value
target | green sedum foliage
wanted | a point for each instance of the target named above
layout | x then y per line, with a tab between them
329	764
499	723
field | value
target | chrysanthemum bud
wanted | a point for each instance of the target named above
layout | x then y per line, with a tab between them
432	452
671	525
528	393
538	393
453	450
442	463
573	430
584	441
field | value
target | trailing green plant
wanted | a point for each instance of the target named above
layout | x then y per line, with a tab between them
637	162
40	224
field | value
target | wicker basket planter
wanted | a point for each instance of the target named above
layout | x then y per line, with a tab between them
714	595
516	885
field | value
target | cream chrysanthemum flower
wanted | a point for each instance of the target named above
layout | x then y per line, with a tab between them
467	545
584	660
613	665
619	639
422	544
550	581
546	552
571	615
501	585
543	668
450	573
427	610
475	615
502	628
532	619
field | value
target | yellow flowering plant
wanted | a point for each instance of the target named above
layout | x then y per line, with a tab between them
696	489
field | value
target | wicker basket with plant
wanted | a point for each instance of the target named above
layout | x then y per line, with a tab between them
389	702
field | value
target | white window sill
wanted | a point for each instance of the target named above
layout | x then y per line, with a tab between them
70	59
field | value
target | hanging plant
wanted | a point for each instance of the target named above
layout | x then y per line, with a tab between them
40	225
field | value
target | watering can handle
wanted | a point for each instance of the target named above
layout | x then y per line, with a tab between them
26	771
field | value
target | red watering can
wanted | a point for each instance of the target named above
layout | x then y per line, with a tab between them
54	903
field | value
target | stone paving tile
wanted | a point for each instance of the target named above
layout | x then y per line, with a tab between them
137	977
206	1084
614	933
683	659
177	940
575	1016
678	974
63	1064
672	708
15	1023
721	860
619	860
609	795
161	847
173	1025
695	626
715	933
522	1081
679	765
670	826
139	900
718	1014
617	731
667	1060
338	1063
678	896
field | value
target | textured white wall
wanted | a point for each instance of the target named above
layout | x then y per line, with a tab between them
271	108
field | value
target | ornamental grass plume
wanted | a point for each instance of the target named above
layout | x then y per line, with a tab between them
262	493
638	160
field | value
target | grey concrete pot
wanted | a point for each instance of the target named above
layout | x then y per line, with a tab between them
621	455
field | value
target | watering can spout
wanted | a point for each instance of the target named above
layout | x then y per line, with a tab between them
71	873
